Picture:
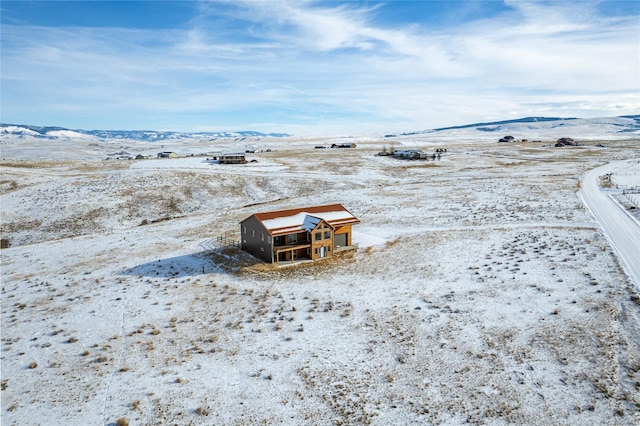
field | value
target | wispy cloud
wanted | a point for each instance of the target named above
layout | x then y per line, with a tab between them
324	68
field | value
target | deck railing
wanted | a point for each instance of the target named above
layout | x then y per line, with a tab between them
226	241
292	244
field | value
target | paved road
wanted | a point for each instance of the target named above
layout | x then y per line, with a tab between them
622	231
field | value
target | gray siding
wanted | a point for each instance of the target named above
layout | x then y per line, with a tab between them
255	239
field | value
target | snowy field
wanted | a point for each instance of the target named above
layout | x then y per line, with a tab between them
483	290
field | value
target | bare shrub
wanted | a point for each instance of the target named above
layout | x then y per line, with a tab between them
203	410
392	243
122	422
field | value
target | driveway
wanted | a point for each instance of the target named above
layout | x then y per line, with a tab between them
620	228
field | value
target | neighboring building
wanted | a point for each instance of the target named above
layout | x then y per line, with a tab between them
230	159
410	154
565	142
343	145
167	154
308	233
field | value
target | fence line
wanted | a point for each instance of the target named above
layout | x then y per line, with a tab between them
626	189
226	241
634	198
219	241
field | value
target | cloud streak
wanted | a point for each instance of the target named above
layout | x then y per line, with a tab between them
313	67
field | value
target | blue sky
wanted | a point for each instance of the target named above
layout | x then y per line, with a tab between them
315	67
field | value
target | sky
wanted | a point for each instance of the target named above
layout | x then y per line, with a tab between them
314	67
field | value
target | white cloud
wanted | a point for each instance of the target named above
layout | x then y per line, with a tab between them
307	64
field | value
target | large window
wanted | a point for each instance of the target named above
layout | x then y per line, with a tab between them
292	238
318	236
327	235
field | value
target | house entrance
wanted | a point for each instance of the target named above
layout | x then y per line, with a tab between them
284	256
323	252
293	255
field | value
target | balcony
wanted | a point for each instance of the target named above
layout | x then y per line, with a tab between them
286	242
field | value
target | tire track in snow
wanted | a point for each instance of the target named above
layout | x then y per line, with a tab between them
122	353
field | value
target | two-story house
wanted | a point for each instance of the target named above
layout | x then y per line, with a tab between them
312	233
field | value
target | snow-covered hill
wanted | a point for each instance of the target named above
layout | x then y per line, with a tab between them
60	133
530	128
619	124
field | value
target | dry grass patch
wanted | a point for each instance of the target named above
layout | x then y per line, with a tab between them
392	243
422	164
122	422
7	186
35	164
101	165
19	226
298	269
258	267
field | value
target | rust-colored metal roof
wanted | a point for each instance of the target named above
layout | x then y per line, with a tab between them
280	222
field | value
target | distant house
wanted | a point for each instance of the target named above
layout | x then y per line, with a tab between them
565	142
142	157
230	158
343	145
311	233
410	154
167	154
507	138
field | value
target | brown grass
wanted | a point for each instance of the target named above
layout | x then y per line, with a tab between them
122	422
392	243
421	164
34	164
67	166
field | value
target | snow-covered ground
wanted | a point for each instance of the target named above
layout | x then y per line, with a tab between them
483	291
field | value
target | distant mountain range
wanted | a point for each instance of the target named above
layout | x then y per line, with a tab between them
492	125
624	125
52	132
